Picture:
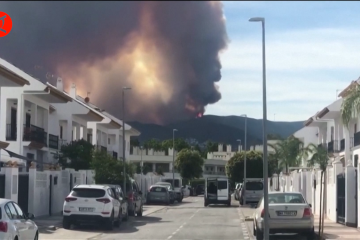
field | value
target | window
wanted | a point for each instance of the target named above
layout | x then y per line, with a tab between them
88	193
61	132
20	213
222	185
254	186
286	198
158	189
8	212
111	192
14	214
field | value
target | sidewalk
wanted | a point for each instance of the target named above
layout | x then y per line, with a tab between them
334	230
49	222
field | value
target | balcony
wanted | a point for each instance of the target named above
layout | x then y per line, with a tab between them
11	131
101	148
342	145
333	146
357	139
53	141
35	134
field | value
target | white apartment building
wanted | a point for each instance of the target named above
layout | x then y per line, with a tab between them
37	118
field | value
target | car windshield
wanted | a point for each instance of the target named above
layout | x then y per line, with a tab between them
88	193
158	189
287	198
254	186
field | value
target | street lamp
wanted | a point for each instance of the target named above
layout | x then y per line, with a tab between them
173	164
141	167
123	133
245	136
265	167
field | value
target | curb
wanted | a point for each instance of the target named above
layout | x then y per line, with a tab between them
246	220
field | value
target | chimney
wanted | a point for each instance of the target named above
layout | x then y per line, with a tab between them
60	84
73	90
220	148
228	148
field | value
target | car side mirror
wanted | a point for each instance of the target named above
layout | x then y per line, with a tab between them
140	192
310	205
30	216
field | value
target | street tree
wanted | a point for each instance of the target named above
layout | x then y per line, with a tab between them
254	166
109	170
189	163
154	144
320	159
76	154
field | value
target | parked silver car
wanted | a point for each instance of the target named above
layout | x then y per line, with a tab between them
159	194
288	213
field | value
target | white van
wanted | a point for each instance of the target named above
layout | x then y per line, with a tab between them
217	191
252	191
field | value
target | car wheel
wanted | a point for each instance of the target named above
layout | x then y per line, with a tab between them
310	235
254	231
229	204
259	235
109	225
180	200
241	201
118	221
139	214
126	216
66	223
36	236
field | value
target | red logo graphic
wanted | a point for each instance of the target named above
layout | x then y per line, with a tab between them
5	24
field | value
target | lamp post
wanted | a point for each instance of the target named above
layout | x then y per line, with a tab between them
265	167
141	167
123	133
173	163
245	137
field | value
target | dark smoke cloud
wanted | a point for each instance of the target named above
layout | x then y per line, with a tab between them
83	42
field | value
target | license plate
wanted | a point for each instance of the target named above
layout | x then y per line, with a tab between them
287	213
84	209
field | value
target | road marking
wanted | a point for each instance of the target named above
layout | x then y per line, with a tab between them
194	214
244	225
176	231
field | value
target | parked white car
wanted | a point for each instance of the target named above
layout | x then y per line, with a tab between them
91	204
288	213
15	224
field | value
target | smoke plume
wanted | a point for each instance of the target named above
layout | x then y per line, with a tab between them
167	52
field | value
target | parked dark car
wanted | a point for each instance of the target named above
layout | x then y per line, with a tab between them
200	189
159	194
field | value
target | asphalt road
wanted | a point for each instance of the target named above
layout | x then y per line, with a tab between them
189	220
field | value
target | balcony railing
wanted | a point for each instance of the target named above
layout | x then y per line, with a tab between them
11	132
53	141
357	139
35	134
333	146
101	148
214	173
342	145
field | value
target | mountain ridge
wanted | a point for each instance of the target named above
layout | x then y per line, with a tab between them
222	129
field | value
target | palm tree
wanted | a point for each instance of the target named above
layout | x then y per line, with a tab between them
289	152
350	106
320	158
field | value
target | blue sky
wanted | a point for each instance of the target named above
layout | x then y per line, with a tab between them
312	50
